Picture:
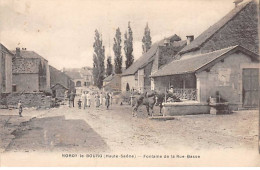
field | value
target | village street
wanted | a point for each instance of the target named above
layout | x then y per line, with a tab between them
115	130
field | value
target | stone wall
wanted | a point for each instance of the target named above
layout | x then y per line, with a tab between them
115	83
28	99
127	79
26	65
225	77
26	82
147	79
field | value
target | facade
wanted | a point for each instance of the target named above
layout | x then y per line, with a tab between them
59	91
5	69
137	76
200	77
112	83
60	82
223	58
82	78
30	72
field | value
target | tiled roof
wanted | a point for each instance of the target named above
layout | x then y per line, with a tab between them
73	74
86	71
197	62
148	56
108	78
202	38
29	54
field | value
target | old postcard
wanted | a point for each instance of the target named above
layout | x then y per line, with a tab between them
129	83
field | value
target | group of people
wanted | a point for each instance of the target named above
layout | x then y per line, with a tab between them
87	97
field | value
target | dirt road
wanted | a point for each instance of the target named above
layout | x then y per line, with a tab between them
115	130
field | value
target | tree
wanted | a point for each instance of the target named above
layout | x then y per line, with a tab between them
147	40
129	47
117	51
109	69
98	60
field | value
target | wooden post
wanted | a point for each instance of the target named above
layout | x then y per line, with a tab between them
165	98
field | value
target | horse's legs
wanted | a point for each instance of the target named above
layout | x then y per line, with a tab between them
161	108
134	112
147	108
152	109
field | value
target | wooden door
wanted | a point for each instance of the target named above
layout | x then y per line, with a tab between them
250	87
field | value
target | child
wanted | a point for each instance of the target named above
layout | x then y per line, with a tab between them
20	108
79	104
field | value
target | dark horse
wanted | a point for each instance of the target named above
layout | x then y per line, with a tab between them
153	99
160	99
146	99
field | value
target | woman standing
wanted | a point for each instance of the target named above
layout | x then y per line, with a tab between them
88	99
101	99
97	100
83	99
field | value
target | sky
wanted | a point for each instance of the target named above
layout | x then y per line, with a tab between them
62	31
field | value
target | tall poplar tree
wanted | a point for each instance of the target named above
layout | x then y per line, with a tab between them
98	60
117	52
109	69
128	48
147	39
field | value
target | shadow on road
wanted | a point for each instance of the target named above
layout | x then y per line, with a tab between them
56	134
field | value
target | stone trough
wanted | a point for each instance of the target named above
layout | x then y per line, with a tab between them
185	108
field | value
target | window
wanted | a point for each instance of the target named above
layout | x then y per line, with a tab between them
78	84
85	83
14	88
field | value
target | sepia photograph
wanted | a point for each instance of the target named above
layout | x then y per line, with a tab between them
129	83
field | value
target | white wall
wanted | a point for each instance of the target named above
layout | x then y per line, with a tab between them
127	79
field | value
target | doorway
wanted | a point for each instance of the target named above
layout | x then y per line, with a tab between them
250	87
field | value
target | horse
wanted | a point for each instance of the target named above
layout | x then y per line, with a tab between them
160	99
146	99
153	99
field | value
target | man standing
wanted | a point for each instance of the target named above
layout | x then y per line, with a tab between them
107	100
72	98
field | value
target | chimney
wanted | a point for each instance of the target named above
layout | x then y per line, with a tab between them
18	52
236	2
166	42
190	38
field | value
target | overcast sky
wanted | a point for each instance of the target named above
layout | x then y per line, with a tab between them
62	31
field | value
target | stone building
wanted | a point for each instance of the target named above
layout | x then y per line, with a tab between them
5	69
137	76
30	72
112	83
224	58
60	82
82	77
